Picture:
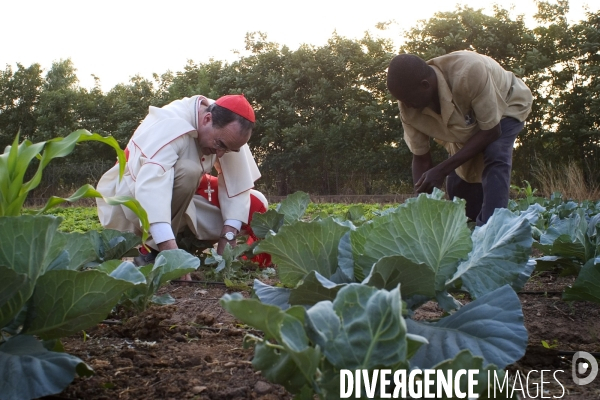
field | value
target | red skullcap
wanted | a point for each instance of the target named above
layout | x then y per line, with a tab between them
238	104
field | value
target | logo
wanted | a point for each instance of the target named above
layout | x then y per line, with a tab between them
581	367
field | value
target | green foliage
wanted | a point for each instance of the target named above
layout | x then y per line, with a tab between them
587	285
20	97
77	219
48	289
169	265
229	264
567	235
56	284
16	159
525	197
42	295
325	123
352	212
305	350
407	256
550	346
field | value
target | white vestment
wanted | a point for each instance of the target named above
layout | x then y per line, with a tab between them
166	135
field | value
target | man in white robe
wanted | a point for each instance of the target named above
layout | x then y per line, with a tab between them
168	154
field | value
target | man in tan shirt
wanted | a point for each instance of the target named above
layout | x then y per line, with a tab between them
474	108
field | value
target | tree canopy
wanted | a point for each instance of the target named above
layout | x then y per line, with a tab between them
325	122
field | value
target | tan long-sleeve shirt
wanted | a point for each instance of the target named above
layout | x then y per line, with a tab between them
475	93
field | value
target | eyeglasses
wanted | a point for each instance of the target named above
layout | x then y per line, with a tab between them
220	146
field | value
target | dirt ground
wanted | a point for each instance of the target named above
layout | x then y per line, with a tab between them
193	349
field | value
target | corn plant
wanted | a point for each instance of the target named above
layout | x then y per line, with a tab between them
16	160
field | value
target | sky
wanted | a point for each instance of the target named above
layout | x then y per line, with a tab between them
118	39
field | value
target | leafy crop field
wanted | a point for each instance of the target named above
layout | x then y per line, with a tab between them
84	219
522	294
77	219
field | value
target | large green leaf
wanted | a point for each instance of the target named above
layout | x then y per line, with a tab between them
274	296
362	328
593	233
115	244
172	264
26	248
88	191
12	282
79	251
415	279
424	230
264	223
93	247
464	360
313	289
302	247
490	327
567	238
293	206
276	365
264	317
587	285
286	329
500	254
345	258
169	265
123	270
29	371
65	302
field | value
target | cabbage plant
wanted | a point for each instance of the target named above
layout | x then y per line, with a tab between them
349	293
570	241
53	284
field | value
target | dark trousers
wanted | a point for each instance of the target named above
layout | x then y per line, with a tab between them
483	198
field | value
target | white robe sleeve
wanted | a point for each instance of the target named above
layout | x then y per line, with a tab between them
239	171
236	207
154	182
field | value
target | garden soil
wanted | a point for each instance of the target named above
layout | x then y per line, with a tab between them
194	349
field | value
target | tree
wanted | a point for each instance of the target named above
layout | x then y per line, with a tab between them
568	78
19	97
56	109
127	105
324	119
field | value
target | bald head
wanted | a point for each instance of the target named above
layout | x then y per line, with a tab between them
409	76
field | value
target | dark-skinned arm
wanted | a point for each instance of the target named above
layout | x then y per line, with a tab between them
435	176
420	165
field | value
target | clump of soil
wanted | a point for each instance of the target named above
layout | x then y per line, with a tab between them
148	325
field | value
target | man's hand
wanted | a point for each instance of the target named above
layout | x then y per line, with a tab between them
430	179
223	241
427	178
